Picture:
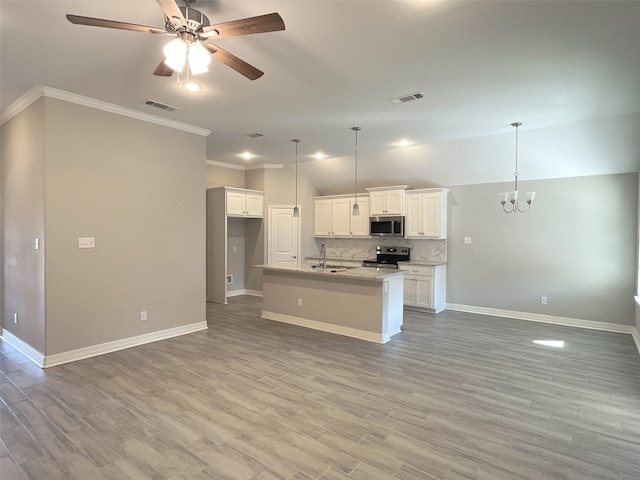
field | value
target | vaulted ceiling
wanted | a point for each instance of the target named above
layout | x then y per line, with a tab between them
570	71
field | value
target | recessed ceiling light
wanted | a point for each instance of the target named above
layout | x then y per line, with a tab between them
319	155
192	86
403	143
247	155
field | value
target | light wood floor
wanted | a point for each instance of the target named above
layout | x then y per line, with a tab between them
455	396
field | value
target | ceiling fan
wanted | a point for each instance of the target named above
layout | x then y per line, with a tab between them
191	29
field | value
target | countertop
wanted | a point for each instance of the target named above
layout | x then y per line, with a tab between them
358	273
343	259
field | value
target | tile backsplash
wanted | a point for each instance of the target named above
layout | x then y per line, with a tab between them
433	251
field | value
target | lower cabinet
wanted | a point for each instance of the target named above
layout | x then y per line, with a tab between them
425	286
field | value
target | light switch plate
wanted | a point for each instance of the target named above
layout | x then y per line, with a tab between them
467	239
86	242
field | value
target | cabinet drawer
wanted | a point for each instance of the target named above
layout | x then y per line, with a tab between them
425	270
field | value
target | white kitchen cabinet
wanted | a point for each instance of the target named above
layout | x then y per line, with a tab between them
386	200
424	286
244	203
426	213
332	217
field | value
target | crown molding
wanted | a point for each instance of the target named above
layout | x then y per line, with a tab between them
39	91
233	166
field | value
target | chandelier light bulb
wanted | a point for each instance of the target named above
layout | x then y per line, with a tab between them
199	58
175	53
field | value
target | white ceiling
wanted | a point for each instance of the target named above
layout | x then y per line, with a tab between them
570	71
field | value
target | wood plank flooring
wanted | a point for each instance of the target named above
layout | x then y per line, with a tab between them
455	396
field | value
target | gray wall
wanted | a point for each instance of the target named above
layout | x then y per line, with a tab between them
577	246
23	165
217	176
637	322
139	189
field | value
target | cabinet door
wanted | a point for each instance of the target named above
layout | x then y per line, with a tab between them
431	215
254	205
394	202
235	204
360	223
340	217
413	220
424	292
322	218
377	203
409	289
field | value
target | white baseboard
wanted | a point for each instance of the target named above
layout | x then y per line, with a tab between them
24	348
326	327
636	337
244	291
538	317
45	361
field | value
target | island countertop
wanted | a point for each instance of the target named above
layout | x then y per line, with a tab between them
358	273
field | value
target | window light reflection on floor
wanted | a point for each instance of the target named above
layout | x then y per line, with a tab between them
550	343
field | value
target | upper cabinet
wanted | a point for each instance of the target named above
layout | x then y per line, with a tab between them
333	218
426	213
386	200
244	203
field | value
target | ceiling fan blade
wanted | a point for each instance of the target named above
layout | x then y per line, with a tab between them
240	66
270	22
171	10
100	22
163	70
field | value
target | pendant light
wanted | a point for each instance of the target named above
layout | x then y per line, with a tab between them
356	207
296	209
512	197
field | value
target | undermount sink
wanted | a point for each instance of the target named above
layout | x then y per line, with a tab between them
333	268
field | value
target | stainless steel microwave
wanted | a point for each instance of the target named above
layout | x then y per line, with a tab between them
386	226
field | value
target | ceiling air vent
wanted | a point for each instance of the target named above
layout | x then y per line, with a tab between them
407	98
162	106
254	135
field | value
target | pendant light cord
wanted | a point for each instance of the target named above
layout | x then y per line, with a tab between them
516	124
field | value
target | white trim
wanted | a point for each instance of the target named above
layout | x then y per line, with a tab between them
45	361
327	327
537	317
244	291
39	91
215	163
24	348
263	166
636	337
108	347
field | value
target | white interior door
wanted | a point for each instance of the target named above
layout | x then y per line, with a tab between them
284	235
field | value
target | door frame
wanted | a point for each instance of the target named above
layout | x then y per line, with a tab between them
269	231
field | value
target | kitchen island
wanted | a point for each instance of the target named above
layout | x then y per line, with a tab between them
364	303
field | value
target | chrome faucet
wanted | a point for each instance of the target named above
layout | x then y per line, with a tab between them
323	252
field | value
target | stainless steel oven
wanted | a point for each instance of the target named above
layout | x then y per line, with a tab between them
386	226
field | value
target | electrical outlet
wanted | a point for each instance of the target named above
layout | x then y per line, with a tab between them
15	318
143	315
467	239
543	300
229	278
299	302
86	242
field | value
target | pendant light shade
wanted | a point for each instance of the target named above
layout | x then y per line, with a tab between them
296	209
356	207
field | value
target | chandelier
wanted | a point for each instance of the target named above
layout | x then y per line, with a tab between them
512	197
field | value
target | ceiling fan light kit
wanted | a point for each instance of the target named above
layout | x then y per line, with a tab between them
191	28
512	197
